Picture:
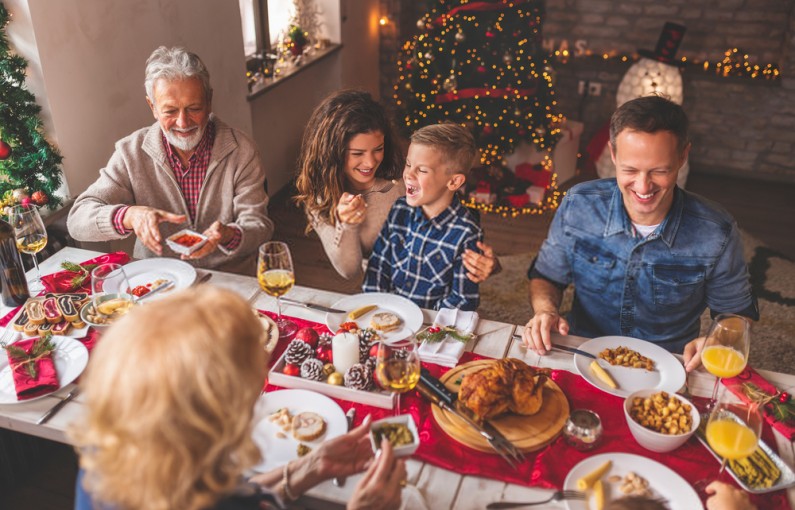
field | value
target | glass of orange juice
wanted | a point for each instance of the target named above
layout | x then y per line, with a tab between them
733	429
725	351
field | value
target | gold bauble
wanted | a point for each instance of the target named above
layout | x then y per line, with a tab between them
335	379
328	369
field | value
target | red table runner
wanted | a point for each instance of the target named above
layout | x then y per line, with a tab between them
548	467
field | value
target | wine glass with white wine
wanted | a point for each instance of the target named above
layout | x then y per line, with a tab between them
31	237
398	367
276	277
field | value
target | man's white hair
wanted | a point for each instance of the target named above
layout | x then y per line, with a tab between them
175	64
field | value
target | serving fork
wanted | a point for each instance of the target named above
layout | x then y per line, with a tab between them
556	496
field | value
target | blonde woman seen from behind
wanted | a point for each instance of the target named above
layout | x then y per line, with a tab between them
170	394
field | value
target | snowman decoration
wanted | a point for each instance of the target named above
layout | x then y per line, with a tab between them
656	73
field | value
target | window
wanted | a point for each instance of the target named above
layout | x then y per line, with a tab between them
265	22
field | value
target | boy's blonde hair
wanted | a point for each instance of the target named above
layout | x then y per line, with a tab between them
454	141
170	393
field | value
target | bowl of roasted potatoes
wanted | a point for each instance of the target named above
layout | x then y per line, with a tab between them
660	421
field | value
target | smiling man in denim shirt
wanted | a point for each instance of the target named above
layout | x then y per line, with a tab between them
646	258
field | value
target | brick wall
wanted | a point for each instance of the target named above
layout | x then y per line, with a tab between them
739	126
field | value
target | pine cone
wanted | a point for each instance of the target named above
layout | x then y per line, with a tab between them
324	339
297	352
312	369
370	365
356	377
364	347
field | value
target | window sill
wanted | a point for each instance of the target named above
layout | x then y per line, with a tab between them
266	84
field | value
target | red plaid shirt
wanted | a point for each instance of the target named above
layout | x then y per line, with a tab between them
190	180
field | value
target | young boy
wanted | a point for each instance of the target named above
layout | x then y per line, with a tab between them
419	253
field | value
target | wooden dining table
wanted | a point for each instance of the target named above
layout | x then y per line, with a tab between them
440	488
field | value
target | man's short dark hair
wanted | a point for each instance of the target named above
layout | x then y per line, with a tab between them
650	114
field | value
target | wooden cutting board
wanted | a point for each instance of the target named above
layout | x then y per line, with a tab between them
527	433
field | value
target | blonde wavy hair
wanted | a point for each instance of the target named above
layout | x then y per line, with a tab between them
324	150
170	393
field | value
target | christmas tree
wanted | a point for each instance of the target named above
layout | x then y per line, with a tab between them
481	64
29	165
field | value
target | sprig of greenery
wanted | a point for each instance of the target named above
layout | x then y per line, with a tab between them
434	334
43	346
82	270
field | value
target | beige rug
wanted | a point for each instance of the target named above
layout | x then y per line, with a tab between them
504	297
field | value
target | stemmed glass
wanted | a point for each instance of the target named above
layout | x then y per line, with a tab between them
31	236
276	277
398	367
725	351
110	291
732	431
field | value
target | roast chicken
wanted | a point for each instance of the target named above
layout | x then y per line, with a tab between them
506	385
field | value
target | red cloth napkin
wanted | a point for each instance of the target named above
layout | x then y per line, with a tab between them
62	280
749	375
548	467
27	387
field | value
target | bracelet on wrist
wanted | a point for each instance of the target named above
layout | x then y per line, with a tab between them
288	493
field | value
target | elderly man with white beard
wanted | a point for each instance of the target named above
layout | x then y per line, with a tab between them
187	170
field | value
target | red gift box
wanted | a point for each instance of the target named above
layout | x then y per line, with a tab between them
535	174
518	200
483	187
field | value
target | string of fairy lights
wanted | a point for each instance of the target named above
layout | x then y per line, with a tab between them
735	63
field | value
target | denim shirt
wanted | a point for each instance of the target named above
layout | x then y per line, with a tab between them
653	288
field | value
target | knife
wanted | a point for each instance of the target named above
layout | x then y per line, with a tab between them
159	288
57	407
312	306
349	417
573	350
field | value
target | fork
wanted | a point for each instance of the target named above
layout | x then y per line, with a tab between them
386	188
557	496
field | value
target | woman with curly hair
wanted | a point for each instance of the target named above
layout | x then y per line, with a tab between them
349	175
170	394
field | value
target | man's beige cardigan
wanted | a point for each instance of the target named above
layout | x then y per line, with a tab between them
138	173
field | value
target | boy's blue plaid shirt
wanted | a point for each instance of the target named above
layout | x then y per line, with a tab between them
422	259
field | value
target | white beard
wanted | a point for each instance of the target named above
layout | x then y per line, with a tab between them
182	143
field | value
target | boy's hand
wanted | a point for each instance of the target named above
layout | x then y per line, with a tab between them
480	266
351	209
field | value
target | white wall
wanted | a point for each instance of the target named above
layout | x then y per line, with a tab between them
92	54
87	61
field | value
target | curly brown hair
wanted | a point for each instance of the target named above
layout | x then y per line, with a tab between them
321	177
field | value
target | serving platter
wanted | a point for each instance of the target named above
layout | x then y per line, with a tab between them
668	373
527	433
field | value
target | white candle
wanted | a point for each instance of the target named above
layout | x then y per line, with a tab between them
345	351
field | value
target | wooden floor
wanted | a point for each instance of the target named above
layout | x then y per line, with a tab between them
764	210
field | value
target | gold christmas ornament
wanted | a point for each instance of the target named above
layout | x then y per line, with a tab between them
335	379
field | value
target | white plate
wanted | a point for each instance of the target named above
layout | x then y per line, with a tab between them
70	358
668	374
409	313
278	451
146	271
664	482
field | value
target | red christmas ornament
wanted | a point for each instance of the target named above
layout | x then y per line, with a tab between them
324	354
25	201
487	130
784	397
39	198
307	335
5	150
481	69
292	370
489	34
374	350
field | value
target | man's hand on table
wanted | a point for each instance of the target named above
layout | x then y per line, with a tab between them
692	353
537	333
145	222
